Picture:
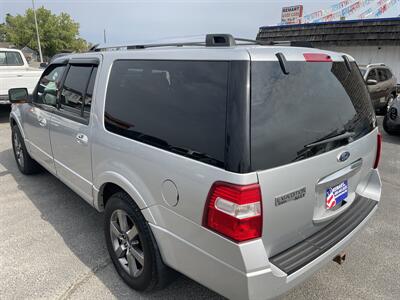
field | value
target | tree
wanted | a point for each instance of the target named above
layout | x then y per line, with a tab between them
57	32
3	33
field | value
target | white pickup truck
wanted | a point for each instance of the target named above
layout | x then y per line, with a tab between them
15	72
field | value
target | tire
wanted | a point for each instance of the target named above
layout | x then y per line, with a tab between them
389	101
386	126
26	164
132	247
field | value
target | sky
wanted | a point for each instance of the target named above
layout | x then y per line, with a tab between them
149	20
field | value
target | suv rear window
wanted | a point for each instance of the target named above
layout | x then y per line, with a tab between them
315	101
179	106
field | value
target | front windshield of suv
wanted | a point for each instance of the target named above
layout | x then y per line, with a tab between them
291	114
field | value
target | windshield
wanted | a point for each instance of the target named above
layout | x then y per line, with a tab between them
291	113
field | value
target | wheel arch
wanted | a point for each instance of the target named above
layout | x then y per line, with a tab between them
14	121
111	182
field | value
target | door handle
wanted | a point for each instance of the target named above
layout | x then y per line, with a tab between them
81	138
42	122
20	75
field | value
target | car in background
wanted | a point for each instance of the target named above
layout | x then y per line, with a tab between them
382	85
391	122
15	72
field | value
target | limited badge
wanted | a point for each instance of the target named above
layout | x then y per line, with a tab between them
336	194
295	195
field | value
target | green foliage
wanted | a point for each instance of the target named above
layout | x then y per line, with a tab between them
57	32
2	33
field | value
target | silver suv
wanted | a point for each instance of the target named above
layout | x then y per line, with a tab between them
245	167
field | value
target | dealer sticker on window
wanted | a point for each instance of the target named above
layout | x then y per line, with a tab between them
336	194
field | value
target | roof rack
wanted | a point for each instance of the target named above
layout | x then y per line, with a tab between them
211	40
376	65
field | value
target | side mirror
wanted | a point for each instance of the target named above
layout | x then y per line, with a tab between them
372	82
18	95
43	65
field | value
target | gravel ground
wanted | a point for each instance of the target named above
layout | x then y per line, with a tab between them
52	245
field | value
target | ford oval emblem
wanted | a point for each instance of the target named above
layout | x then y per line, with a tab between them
344	156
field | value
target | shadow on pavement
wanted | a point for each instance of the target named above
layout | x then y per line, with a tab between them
81	228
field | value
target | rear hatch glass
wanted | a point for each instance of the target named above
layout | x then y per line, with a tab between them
315	101
302	125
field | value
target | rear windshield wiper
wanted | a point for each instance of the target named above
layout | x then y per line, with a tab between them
342	136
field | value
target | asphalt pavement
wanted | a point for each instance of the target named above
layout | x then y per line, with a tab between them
52	244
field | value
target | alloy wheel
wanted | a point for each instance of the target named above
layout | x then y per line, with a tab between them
19	153
126	243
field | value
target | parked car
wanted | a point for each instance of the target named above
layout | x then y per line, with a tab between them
225	160
382	85
391	121
15	72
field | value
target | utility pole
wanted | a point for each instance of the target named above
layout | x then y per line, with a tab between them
104	36
37	32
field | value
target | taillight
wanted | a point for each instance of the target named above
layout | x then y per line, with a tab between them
234	211
317	57
378	150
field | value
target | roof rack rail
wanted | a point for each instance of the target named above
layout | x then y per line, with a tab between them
211	40
376	65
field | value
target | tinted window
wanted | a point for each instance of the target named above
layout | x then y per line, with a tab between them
179	106
372	75
48	85
74	88
382	75
388	74
89	93
10	58
315	101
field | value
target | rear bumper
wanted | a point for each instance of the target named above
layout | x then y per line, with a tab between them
232	283
261	289
273	277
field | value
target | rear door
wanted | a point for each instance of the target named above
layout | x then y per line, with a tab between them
70	128
305	181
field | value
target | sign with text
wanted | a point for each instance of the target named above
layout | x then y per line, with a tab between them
292	14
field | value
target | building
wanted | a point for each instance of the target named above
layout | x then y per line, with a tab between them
30	54
368	40
6	45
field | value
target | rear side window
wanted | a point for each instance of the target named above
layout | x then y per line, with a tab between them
179	106
77	90
383	76
89	93
74	88
314	102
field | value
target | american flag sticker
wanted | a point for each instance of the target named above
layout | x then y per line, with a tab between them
336	194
